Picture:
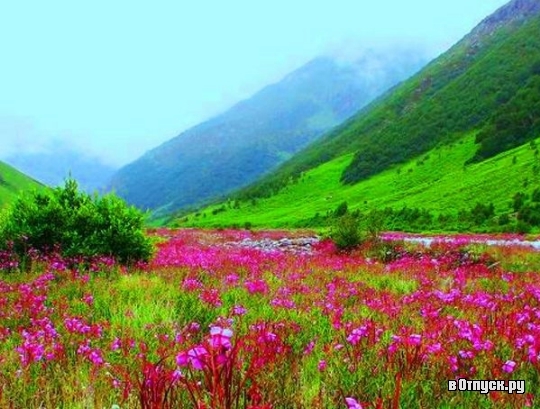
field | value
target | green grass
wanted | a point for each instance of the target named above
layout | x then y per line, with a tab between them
12	182
437	180
487	84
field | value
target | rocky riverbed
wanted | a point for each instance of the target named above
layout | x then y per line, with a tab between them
298	245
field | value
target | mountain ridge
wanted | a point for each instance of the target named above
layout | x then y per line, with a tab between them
430	107
255	135
487	86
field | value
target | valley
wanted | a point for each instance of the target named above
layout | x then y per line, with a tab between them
363	232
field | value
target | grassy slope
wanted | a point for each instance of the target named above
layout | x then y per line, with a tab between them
12	182
441	183
457	93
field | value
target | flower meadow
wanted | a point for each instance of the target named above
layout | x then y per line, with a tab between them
212	324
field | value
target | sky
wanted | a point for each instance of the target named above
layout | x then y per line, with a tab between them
115	78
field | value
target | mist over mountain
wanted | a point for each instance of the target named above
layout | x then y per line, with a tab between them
464	130
54	165
254	136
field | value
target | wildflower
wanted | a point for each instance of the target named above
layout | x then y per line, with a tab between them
322	365
239	310
232	279
509	366
194	326
95	357
220	337
176	375
415	339
116	344
256	286
191	284
88	299
194	357
357	334
352	403
309	347
435	348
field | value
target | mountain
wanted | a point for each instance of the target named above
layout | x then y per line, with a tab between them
254	136
13	182
53	166
484	93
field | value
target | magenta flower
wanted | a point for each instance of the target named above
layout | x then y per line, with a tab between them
194	357
309	348
239	310
88	299
509	366
466	354
95	357
435	348
220	337
357	334
352	403
415	339
322	365
116	344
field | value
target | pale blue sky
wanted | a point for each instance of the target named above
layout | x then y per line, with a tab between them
120	77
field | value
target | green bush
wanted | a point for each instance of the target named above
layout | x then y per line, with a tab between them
341	210
77	224
346	233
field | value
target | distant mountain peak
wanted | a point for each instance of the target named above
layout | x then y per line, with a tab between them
514	12
231	150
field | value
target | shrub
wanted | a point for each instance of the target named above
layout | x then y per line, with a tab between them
77	224
341	210
346	233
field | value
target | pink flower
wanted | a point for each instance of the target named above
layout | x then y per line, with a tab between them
116	344
95	357
352	403
415	339
435	348
194	326
194	356
191	284
88	299
357	334
322	365
509	366
309	348
232	279
239	310
220	337
256	286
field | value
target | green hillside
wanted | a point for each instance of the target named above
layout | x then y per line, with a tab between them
460	132
436	181
12	182
488	82
235	148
